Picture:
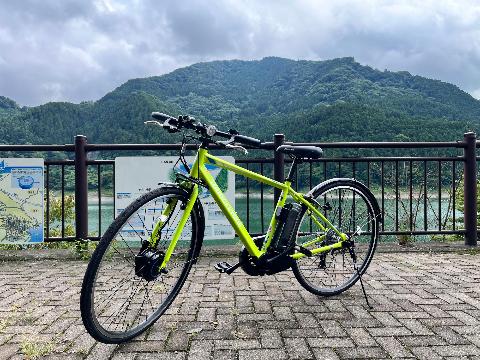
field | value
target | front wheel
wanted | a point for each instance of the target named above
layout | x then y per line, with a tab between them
124	290
354	211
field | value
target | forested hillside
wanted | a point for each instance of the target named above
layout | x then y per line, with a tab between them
337	99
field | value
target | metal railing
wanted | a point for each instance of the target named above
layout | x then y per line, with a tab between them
411	199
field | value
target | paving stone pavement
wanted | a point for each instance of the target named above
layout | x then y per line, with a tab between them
425	306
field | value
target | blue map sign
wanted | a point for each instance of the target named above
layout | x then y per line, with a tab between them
21	200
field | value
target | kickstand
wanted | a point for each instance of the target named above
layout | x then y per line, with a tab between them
354	258
363	289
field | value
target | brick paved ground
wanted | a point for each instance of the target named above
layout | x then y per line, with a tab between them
426	306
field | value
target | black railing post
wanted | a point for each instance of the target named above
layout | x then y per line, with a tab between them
279	164
470	189
81	188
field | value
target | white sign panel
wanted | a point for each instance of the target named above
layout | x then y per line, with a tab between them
21	201
135	176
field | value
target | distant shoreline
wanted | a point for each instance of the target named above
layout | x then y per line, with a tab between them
108	200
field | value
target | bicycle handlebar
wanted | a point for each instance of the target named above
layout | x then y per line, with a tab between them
160	116
173	124
247	140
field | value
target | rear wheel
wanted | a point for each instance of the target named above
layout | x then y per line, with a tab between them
353	210
123	291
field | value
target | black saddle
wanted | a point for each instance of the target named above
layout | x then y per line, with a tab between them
301	152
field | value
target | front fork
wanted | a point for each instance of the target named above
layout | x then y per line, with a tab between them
154	238
165	216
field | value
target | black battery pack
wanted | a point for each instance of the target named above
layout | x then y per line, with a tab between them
287	227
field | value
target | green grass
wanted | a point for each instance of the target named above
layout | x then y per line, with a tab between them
36	349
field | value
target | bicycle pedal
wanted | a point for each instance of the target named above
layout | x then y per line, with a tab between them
225	267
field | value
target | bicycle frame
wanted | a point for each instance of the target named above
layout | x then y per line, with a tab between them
200	172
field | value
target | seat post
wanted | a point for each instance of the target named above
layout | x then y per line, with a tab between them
293	170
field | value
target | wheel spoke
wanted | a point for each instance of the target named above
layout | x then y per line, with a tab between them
350	212
123	304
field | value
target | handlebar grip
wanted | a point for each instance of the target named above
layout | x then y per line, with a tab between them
160	116
223	134
246	140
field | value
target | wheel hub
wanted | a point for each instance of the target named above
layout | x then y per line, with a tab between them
147	264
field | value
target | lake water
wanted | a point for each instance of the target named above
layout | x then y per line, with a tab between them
255	223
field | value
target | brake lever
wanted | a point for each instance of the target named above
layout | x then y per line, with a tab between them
229	145
237	147
153	122
166	125
226	142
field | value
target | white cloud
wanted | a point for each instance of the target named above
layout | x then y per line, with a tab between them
53	91
476	94
88	48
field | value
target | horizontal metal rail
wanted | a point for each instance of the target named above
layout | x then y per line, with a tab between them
385	145
21	148
358	159
436	175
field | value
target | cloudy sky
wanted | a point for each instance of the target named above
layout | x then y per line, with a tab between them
75	50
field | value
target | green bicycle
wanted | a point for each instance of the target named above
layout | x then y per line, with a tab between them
327	237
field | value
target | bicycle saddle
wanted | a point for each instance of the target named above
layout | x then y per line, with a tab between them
303	152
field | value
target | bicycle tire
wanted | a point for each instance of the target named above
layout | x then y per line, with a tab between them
88	293
321	192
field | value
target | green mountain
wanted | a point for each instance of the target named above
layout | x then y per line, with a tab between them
8	105
275	85
337	99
